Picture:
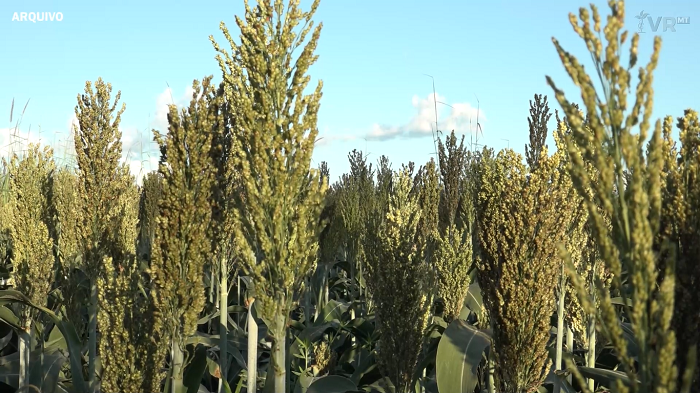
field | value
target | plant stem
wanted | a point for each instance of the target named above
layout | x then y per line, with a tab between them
177	367
252	350
223	321
279	333
569	348
92	337
590	356
24	346
560	318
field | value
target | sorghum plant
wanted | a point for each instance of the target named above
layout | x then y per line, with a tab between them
131	346
64	200
635	208
98	148
522	216
426	185
453	249
182	247
225	184
581	248
537	122
277	211
148	213
32	247
354	207
680	225
399	281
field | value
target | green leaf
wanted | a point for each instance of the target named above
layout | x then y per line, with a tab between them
55	341
360	328
458	356
559	383
303	383
333	310
620	301
66	328
227	388
365	364
6	340
474	300
632	344
606	378
44	371
9	317
195	370
383	385
331	384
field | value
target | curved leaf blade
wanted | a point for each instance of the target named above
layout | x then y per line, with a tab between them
459	353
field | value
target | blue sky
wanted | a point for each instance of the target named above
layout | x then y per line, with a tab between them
373	57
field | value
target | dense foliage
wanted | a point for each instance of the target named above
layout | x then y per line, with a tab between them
237	267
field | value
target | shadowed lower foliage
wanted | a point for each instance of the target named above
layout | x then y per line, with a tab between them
680	225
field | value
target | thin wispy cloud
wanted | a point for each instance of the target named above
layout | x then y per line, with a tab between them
460	117
327	140
164	99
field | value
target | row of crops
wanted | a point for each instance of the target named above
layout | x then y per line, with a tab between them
236	268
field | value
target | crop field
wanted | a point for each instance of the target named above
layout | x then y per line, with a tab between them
236	266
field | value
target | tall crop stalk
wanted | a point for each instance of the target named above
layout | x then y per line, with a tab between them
522	217
182	244
627	190
252	350
681	225
400	280
98	147
226	183
453	249
582	250
561	297
277	211
329	240
32	247
131	339
353	207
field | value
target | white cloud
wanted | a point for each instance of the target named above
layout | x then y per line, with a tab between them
461	117
139	150
160	122
139	168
